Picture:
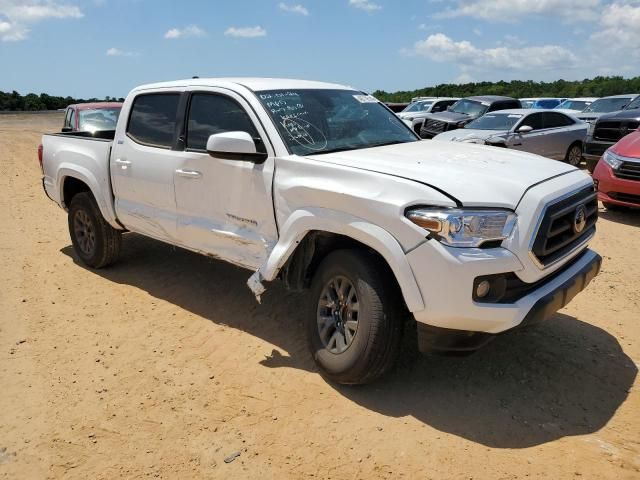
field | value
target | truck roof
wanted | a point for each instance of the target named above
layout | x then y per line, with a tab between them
252	83
92	105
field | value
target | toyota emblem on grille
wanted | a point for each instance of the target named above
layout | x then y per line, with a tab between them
580	219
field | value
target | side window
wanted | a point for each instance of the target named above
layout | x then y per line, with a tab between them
153	119
212	113
496	106
555	120
534	121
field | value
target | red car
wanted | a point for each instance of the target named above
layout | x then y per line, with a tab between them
617	174
91	117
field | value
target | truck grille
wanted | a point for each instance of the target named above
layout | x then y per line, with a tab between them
614	131
628	171
565	225
434	126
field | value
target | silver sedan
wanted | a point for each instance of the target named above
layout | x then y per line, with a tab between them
548	133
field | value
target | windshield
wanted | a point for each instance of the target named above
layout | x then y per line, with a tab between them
418	106
527	103
494	121
574	104
93	120
321	121
604	105
634	104
469	107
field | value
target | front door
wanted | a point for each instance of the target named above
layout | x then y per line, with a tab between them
225	207
143	165
533	141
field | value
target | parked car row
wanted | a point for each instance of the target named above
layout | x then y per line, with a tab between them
544	132
569	129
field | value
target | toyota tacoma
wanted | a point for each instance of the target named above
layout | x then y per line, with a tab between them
324	188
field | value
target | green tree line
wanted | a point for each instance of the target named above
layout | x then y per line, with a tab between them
31	102
595	87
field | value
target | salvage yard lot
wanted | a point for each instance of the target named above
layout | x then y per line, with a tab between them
164	365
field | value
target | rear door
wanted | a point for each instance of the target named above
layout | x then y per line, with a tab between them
225	206
143	165
558	136
534	141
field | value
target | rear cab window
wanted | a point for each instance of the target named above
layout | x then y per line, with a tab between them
152	120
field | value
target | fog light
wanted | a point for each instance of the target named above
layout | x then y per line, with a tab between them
482	289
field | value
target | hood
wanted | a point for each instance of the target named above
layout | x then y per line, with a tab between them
414	115
450	117
474	175
629	146
570	111
469	135
589	116
622	115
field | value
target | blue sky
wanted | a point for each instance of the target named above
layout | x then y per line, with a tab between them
106	47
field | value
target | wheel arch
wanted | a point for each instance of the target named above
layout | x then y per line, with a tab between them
309	235
73	181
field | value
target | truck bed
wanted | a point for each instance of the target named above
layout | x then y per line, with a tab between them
85	156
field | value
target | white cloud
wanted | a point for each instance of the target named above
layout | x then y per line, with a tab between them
619	29
186	32
511	10
441	48
299	9
18	16
245	32
115	52
365	5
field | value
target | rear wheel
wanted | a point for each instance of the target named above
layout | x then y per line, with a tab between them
355	323
95	241
574	155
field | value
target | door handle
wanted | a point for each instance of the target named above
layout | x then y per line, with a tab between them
188	173
123	163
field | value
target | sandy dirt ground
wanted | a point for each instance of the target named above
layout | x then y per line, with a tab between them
164	365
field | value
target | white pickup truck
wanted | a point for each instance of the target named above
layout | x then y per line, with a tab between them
321	186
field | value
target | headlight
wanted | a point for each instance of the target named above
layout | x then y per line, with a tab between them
464	228
611	159
590	129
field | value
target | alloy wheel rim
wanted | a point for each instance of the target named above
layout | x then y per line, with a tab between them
337	316
84	232
575	156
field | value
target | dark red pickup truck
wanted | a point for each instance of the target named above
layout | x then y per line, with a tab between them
617	174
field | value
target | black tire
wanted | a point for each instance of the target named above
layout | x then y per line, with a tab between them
376	343
574	154
95	242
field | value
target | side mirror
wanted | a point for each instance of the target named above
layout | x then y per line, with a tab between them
234	146
525	129
66	129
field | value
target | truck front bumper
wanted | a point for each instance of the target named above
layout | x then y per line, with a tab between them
453	321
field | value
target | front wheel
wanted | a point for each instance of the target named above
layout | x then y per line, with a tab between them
354	325
574	155
95	241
